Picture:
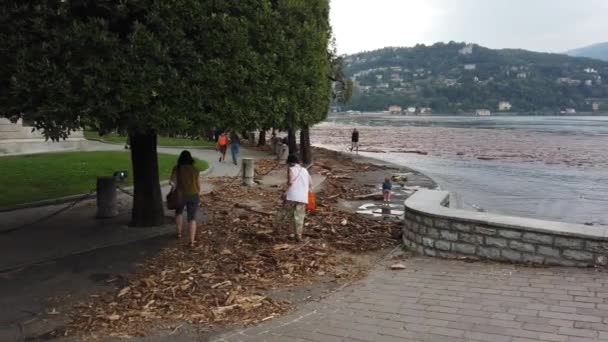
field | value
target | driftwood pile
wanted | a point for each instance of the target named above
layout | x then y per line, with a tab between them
244	250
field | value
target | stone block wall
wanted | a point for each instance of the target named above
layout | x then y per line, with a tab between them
458	236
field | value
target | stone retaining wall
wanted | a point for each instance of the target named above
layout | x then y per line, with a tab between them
433	229
15	138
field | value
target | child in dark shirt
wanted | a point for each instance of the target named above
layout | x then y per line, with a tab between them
387	186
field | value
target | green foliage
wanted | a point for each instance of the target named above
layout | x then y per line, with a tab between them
303	65
117	138
164	66
528	80
65	174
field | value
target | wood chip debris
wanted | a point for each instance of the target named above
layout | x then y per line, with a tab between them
241	255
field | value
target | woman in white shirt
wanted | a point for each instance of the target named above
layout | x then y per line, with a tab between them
299	184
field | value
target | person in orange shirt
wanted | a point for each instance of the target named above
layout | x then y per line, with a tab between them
222	145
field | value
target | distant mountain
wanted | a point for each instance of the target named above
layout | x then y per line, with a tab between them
597	51
459	77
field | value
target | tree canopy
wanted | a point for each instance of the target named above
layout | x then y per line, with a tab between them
149	67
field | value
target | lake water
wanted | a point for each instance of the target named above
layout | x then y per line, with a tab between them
552	168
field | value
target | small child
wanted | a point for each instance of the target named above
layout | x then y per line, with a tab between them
387	186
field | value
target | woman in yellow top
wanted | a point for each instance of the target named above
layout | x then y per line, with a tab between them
185	176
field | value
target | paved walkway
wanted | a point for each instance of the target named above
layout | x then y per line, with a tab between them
76	230
437	300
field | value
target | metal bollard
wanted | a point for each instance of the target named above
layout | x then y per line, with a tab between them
248	171
106	197
284	152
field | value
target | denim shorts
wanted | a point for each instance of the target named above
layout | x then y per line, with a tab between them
191	205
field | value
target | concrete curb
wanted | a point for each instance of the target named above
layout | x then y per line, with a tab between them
80	197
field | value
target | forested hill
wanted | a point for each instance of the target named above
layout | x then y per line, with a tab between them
597	51
457	77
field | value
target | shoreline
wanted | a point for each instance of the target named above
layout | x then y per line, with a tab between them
460	200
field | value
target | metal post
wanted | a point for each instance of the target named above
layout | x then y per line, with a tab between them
106	197
248	171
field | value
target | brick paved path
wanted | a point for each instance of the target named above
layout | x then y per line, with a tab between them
438	300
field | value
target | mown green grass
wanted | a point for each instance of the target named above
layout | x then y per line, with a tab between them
36	177
162	141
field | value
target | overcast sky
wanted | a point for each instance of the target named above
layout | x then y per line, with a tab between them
539	25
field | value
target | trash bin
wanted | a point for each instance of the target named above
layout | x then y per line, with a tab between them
106	197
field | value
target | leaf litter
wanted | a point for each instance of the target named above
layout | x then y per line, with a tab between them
242	253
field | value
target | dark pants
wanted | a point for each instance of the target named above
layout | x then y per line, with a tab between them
191	205
234	150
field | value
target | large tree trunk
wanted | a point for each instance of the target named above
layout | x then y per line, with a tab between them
147	202
262	140
305	151
291	141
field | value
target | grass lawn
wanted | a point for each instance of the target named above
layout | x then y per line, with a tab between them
162	141
35	177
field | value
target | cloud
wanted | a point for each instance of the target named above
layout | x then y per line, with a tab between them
542	25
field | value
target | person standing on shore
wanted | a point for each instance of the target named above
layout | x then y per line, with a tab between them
354	141
299	183
185	177
387	188
235	146
222	145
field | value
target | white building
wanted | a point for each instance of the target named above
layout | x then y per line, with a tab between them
590	71
449	82
522	75
426	110
569	111
504	106
411	110
589	83
470	67
396	78
467	50
394	109
483	112
595	106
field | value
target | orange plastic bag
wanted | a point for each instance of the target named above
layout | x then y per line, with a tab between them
312	203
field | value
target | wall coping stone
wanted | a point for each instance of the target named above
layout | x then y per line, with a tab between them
433	203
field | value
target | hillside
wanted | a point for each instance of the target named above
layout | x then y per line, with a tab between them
456	77
597	51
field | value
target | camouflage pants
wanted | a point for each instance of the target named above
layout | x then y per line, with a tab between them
294	213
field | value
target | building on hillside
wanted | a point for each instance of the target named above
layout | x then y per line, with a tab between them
483	112
396	69
450	82
504	106
470	67
396	78
383	86
589	83
590	71
568	111
411	110
394	109
379	77
595	106
522	75
426	111
569	81
467	50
